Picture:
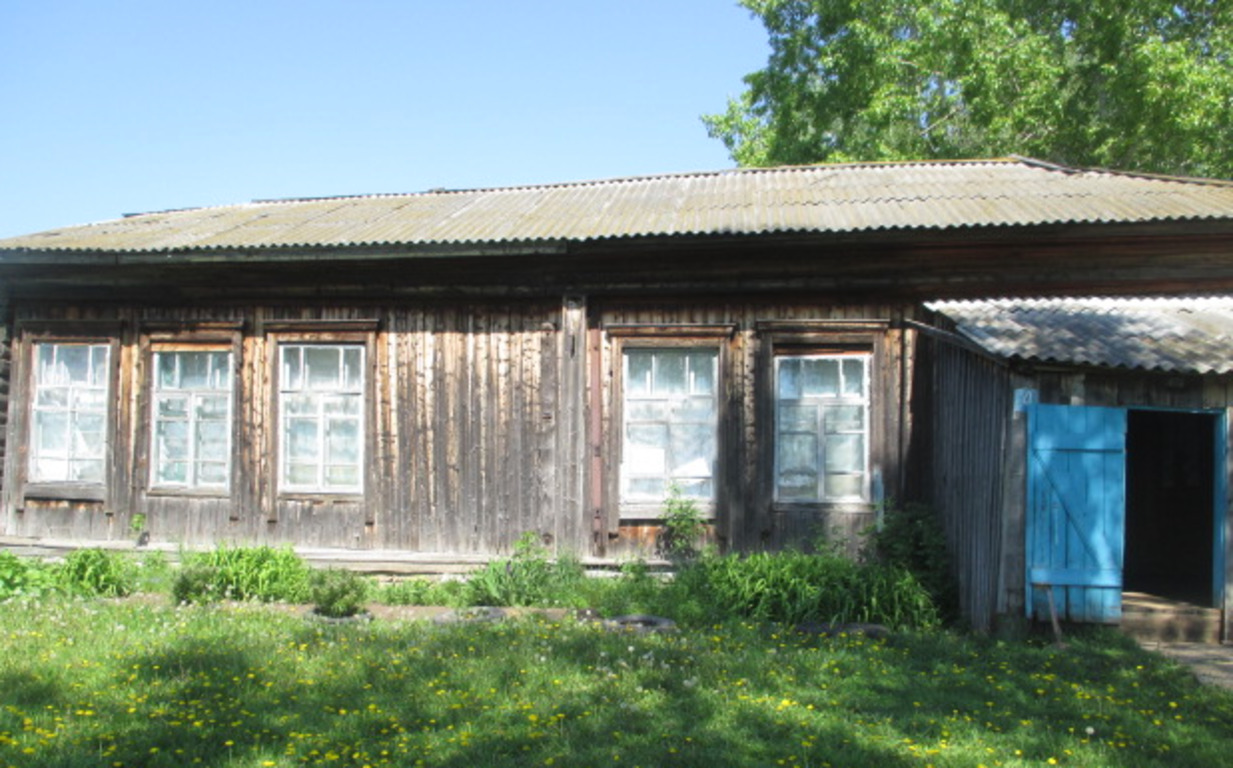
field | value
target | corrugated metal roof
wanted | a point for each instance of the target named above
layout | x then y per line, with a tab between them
804	199
1183	335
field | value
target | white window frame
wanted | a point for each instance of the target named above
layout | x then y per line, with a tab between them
315	400
81	401
826	406
633	395
219	386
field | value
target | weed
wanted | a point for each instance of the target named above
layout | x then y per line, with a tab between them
683	526
338	593
249	573
99	572
21	577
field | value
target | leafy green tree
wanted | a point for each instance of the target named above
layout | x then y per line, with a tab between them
1136	84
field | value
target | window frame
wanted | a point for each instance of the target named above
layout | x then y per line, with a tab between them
684	337
163	347
824	403
877	337
365	419
68	334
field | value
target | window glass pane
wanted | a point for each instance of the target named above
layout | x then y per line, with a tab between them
301	475
194	370
220	370
845	486
293	367
89	399
301	439
647	488
172	473
212	442
798	453
73	363
342	476
88	436
99	355
353	370
790	379
797	486
171	441
694	489
845	453
51	433
820	378
52	397
172	407
89	471
322	365
212	473
165	374
647	410
638	366
845	418
797	418
702	372
854	377
670	373
341	405
693	446
646	448
693	409
213	407
342	442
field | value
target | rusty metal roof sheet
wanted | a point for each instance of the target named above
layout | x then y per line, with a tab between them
1182	335
803	199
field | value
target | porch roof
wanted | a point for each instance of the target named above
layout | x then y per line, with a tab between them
1181	335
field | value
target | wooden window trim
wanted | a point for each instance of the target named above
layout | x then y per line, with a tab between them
803	338
32	335
713	337
204	343
309	333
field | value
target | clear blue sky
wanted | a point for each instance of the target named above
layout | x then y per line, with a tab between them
124	106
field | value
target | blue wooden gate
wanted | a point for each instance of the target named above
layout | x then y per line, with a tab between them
1076	515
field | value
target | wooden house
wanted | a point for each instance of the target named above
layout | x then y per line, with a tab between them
440	373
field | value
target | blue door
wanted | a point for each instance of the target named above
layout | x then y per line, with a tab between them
1076	514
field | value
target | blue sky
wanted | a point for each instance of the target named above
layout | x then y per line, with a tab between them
125	106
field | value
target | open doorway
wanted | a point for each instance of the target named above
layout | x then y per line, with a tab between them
1170	504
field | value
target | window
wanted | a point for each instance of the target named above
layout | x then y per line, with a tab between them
191	420
670	420
822	427
70	413
321	412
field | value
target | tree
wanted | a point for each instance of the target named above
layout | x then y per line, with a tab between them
1131	84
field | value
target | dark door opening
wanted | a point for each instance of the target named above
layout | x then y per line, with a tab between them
1170	487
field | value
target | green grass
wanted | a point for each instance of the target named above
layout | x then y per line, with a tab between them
141	683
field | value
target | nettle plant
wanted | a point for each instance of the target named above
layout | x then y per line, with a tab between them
683	526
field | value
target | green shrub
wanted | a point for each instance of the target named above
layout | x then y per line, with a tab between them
252	573
795	588
419	591
338	593
90	572
682	526
23	577
197	585
911	538
528	577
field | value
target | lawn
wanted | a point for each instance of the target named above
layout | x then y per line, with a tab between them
93	682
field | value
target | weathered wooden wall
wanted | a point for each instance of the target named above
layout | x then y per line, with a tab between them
486	420
971	403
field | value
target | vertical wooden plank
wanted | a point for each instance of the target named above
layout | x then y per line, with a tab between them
570	448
